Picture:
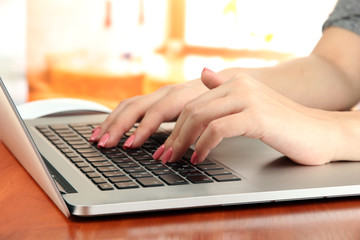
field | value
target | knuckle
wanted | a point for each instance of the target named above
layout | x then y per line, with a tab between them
194	111
244	82
215	128
257	116
116	127
172	90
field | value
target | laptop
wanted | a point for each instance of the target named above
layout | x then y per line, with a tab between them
85	181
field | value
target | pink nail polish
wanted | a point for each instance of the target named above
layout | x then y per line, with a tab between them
103	140
194	158
206	69
159	152
129	142
95	134
167	155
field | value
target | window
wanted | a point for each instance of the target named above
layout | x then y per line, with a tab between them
276	25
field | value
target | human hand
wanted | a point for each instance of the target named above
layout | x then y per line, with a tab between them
242	106
163	105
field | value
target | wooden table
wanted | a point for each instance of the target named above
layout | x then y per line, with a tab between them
27	213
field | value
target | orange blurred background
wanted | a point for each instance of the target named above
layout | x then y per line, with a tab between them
109	50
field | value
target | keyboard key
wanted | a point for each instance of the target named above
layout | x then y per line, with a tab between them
156	167
107	169
114	174
76	159
105	186
199	179
148	162
92	154
86	150
191	172
173	179
159	137
187	155
101	164
218	172
181	166
128	165
82	164
135	152
225	178
120	179
163	171
209	167
62	146
87	169
143	157
80	146
122	160
134	169
71	154
66	150
109	150
140	174
150	182
116	155
99	180
93	175
96	159
126	185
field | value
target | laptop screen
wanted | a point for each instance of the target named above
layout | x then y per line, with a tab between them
16	137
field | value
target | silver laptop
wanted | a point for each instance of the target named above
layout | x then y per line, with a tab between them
85	181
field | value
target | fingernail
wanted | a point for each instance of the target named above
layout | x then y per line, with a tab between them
194	158
167	155
103	140
206	69
159	152
95	134
129	142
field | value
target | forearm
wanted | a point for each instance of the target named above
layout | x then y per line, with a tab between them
310	81
328	79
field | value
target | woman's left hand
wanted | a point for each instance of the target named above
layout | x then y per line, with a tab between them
242	106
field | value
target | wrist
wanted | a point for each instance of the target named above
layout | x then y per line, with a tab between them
347	146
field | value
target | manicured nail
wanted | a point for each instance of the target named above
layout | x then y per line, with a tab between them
167	155
95	134
159	152
206	69
129	142
194	158
103	140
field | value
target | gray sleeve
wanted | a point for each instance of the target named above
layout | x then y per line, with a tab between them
345	15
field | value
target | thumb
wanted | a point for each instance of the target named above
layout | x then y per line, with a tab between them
211	79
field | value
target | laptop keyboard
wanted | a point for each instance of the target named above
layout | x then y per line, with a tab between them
116	168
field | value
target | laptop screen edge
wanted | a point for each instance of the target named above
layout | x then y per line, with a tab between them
15	135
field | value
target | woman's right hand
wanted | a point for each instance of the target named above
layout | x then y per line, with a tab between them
151	110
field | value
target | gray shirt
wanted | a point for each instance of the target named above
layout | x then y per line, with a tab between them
345	15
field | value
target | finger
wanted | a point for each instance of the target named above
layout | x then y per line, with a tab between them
167	108
193	106
240	124
198	120
211	79
115	113
147	126
122	120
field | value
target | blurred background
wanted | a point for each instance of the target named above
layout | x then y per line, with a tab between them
109	50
